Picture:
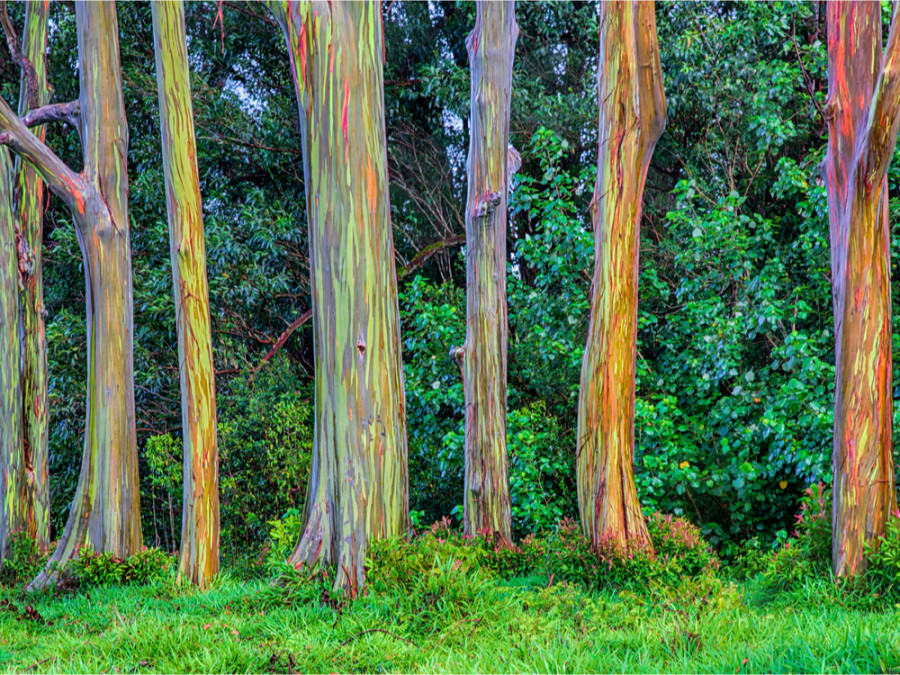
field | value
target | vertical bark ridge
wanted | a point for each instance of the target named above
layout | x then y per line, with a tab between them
29	204
482	359
632	118
358	487
12	465
200	519
862	115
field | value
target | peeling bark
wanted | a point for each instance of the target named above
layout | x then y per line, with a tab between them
632	118
200	520
30	203
863	121
358	487
482	359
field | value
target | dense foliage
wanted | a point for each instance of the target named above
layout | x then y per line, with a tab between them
735	368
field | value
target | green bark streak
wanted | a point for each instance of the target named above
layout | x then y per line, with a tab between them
632	118
200	519
491	46
12	456
106	510
30	220
358	486
863	119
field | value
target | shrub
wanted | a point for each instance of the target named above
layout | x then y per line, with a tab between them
284	533
90	569
563	554
23	561
883	570
808	552
678	541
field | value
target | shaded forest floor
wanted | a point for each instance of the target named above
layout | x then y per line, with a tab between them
523	624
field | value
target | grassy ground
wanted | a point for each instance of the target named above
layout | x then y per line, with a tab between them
479	625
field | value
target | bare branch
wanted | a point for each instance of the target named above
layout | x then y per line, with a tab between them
426	253
15	50
279	343
65	183
68	113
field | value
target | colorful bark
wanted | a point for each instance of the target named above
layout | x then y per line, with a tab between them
105	512
482	359
200	518
632	118
12	456
863	120
29	204
358	487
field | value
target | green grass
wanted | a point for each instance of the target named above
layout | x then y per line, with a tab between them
479	625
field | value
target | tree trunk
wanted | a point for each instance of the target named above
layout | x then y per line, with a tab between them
632	118
29	201
862	114
482	359
106	511
200	519
12	456
358	487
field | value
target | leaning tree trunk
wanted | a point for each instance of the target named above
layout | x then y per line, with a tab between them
358	480
632	118
200	518
12	456
29	201
106	511
482	359
863	120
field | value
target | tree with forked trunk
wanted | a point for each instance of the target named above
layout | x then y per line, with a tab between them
105	511
482	359
863	114
200	519
632	118
358	487
24	452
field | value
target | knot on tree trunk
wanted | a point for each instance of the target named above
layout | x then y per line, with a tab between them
487	205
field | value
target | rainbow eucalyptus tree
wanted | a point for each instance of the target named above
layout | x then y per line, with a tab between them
23	457
12	455
105	511
482	358
632	118
358	479
200	518
863	114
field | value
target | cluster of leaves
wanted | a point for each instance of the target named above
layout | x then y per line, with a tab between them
89	569
561	554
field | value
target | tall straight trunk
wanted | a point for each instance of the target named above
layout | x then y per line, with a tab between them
632	118
200	518
862	114
23	422
106	511
482	359
29	199
12	456
358	487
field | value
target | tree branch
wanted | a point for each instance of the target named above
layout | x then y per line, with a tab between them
426	253
279	343
65	183
15	50
884	112
68	113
